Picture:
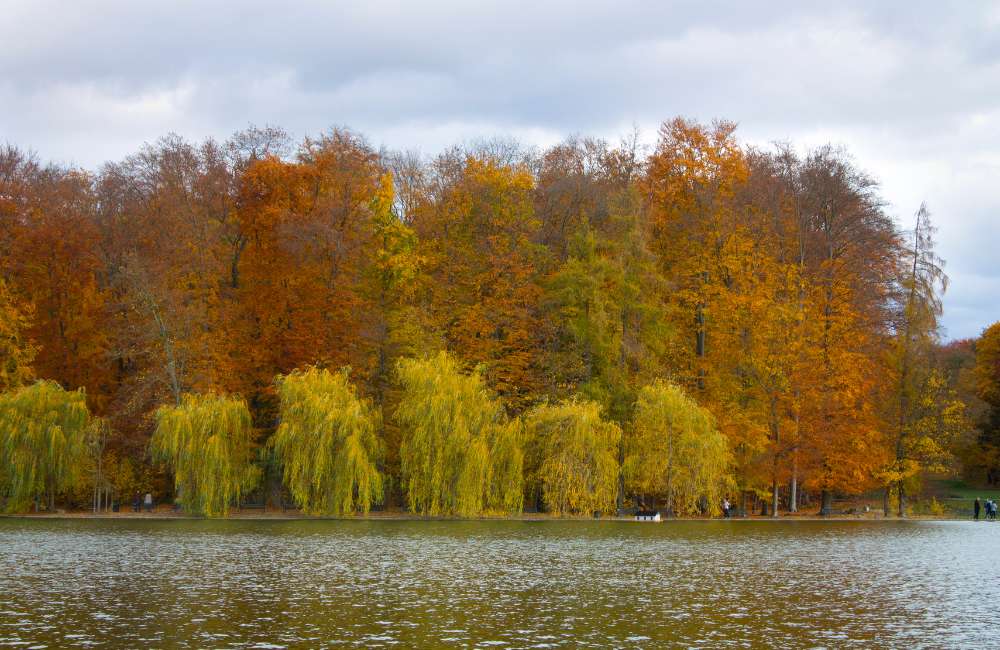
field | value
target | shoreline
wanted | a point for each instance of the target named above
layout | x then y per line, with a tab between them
402	516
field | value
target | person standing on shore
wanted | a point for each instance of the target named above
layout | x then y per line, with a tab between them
725	508
976	507
149	502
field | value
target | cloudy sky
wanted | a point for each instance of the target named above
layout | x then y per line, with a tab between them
912	89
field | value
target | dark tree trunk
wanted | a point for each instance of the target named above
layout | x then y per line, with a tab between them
827	506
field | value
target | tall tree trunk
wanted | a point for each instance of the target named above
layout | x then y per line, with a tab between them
827	505
98	478
793	496
776	436
670	469
620	498
166	339
904	373
234	266
700	335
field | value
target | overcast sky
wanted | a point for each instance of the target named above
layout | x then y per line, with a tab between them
912	89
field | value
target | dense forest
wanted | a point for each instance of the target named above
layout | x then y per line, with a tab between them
581	329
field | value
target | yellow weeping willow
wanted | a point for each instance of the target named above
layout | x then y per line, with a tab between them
43	439
574	456
327	442
206	440
459	453
676	451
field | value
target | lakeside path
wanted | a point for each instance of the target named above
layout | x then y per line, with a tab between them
293	515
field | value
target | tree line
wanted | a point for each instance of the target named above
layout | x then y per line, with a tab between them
577	329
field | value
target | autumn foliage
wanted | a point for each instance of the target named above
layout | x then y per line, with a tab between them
579	329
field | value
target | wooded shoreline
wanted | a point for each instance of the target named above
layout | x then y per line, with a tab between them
594	327
402	516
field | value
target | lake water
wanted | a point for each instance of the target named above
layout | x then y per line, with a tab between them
266	584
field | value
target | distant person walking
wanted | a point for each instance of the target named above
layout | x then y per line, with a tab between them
976	507
725	508
149	502
137	503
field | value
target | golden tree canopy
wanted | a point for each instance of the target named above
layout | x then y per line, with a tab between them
328	443
676	450
575	456
43	439
207	442
16	353
460	454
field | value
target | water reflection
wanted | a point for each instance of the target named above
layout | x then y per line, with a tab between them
511	584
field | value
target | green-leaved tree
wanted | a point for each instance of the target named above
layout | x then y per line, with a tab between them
918	447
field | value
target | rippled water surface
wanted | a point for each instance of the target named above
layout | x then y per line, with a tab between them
139	583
